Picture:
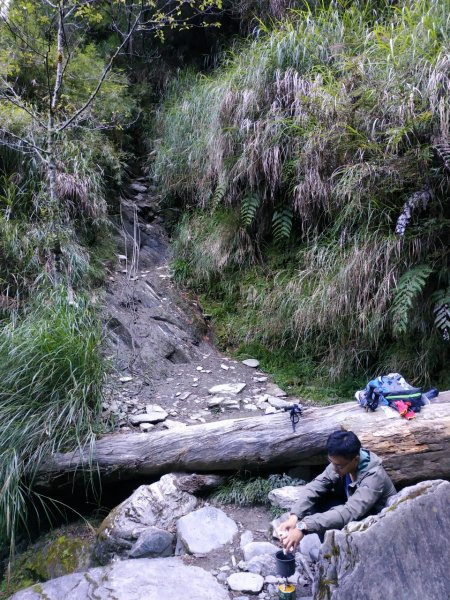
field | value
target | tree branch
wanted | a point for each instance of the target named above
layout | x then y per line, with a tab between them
39	151
106	70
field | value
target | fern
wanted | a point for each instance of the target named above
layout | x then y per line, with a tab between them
219	192
443	150
249	206
441	300
282	223
408	288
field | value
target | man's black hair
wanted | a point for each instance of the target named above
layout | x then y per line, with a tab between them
343	443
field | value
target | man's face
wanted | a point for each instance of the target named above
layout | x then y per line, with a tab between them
342	465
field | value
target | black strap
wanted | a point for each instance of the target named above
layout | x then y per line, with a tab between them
295	412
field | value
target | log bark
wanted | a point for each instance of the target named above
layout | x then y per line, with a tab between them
411	450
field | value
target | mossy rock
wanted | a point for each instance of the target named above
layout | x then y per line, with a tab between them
63	551
62	556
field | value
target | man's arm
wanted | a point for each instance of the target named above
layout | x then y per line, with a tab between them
356	507
313	491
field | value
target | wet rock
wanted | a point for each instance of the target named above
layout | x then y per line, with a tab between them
204	530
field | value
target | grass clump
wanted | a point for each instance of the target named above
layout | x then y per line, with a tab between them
51	376
245	491
326	138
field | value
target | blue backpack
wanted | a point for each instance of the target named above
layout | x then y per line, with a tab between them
387	390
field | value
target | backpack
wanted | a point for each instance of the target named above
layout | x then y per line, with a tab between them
391	390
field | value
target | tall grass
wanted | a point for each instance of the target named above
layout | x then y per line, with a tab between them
51	376
336	120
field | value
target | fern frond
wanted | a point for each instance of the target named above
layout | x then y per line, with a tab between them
443	150
219	192
441	310
408	288
282	223
249	206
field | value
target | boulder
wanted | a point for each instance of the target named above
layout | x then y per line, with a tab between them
285	496
204	530
310	546
139	579
152	542
400	553
263	564
159	504
259	548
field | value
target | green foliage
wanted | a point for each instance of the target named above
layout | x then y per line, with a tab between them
245	491
207	246
441	311
314	113
51	375
282	223
249	206
409	286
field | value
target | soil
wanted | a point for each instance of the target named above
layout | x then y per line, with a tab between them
163	352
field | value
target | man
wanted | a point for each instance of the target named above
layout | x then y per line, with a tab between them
353	486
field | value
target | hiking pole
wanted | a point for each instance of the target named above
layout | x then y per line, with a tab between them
295	412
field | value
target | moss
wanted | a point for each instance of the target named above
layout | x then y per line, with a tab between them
335	551
61	552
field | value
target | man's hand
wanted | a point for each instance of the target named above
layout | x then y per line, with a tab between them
292	539
286	526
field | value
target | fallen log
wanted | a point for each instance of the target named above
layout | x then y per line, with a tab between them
412	450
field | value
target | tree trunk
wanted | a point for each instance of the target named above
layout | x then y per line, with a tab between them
412	450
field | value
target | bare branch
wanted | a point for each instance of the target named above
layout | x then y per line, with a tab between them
16	100
39	151
106	70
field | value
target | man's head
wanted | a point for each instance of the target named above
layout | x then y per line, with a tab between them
343	451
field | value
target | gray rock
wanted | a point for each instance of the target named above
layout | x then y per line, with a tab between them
258	548
277	402
153	414
400	553
310	546
274	390
146	426
169	424
264	564
251	362
246	582
246	538
205	530
285	496
151	543
139	579
227	388
215	401
158	504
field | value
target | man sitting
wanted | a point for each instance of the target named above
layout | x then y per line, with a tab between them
353	486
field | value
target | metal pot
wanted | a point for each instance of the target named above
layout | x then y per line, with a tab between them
285	563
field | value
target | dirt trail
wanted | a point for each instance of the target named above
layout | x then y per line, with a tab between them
160	340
